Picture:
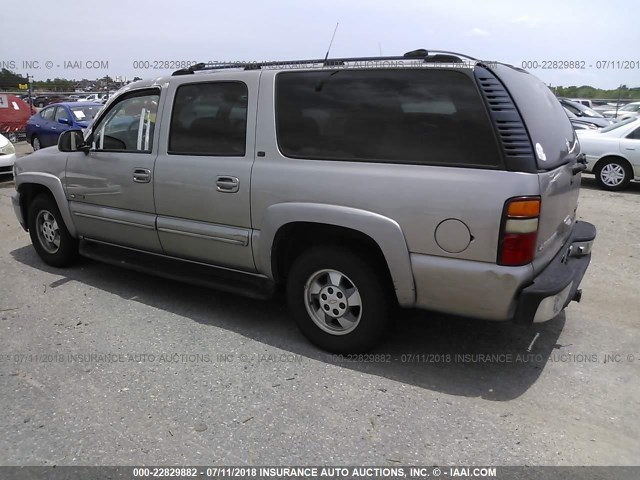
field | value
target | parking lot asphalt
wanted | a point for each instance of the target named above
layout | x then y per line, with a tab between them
103	366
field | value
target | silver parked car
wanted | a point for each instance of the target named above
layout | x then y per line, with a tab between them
630	110
429	181
613	153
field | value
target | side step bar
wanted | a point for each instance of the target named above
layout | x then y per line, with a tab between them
233	281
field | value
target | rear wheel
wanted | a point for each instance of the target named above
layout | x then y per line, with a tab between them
35	143
613	174
49	235
338	299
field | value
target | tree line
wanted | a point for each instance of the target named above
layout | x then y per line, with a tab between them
587	91
10	81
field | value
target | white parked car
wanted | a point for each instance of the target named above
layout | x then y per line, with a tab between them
613	153
94	97
630	110
7	155
583	101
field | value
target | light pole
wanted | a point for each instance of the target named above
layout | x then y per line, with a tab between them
29	78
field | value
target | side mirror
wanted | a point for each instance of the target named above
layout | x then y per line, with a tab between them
64	121
73	141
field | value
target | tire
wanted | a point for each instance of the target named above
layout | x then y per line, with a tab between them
613	174
49	234
35	143
338	273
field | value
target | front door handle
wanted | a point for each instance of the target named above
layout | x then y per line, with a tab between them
227	184
142	175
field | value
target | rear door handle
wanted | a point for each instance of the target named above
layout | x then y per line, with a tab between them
227	184
141	175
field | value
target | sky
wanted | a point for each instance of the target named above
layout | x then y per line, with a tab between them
133	38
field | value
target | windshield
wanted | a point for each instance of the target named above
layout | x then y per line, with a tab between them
618	125
85	114
586	111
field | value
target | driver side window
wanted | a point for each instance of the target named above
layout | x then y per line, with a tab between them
129	125
61	113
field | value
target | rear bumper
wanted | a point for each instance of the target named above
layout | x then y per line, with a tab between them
558	283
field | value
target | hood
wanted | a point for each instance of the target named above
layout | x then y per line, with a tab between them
587	133
4	141
49	160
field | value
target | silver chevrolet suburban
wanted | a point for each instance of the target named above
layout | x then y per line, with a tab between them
429	180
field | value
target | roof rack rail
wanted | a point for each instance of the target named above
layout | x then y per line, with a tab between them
439	56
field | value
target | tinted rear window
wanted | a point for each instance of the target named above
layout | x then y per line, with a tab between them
396	116
552	135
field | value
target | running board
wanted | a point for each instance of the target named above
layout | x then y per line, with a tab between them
194	273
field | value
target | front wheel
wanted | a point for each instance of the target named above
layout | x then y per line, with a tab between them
613	175
338	299
49	234
35	143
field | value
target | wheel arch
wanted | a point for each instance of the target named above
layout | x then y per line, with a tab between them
30	185
288	228
613	156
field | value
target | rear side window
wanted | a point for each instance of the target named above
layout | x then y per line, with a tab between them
554	140
209	119
635	135
396	116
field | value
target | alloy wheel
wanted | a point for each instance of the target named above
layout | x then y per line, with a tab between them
612	174
48	231
333	302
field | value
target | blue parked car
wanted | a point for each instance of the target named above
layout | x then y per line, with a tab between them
44	128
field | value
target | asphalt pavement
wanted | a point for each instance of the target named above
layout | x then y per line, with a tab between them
100	365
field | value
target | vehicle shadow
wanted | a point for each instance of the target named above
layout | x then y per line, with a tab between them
589	182
443	353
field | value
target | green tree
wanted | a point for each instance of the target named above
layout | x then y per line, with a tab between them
10	80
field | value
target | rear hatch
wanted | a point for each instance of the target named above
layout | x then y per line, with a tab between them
556	150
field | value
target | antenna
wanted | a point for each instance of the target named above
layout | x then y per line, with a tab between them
331	42
380	48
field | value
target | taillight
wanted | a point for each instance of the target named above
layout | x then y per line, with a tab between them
519	231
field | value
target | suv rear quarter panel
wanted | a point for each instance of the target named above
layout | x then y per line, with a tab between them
416	197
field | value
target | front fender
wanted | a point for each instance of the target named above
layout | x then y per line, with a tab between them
383	230
54	185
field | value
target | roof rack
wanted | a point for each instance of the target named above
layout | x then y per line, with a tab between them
430	56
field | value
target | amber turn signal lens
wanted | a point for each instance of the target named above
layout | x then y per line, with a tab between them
523	208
